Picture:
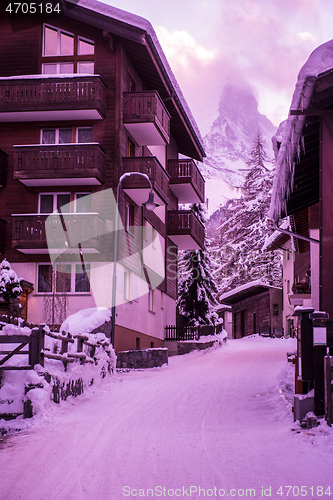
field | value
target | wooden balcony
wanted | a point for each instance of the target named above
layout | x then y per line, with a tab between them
146	118
185	230
49	98
2	236
31	237
59	164
3	168
137	187
186	181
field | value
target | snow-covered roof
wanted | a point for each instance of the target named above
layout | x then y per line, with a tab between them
274	238
251	288
289	131
141	23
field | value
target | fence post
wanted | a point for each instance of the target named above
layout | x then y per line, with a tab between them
34	348
41	342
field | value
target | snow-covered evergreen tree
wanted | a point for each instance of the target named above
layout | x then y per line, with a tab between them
244	228
197	289
10	287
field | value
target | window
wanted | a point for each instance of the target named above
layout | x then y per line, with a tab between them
151	300
57	136
66	278
84	134
49	202
130	218
130	148
82	203
127	285
59	44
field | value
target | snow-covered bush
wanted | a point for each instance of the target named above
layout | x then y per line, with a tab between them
10	287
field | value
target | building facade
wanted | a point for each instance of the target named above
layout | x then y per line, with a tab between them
86	96
256	308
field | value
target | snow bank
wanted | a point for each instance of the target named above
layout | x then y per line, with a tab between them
86	320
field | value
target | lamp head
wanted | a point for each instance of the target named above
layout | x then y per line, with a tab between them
150	204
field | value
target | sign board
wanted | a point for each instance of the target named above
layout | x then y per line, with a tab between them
319	335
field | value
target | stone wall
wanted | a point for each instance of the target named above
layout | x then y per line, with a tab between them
185	347
142	358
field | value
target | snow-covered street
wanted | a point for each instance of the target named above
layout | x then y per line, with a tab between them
212	423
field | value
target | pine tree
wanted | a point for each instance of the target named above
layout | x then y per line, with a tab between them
244	229
197	289
10	287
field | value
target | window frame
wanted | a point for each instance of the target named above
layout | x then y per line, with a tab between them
73	274
74	58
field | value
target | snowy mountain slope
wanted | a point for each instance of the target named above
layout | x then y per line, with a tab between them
229	141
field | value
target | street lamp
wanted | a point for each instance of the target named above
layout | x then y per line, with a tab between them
150	205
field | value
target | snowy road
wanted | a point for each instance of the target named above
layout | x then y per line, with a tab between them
213	420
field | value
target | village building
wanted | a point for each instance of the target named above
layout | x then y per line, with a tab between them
86	96
302	191
256	308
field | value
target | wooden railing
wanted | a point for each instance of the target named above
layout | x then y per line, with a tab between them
3	168
2	236
141	107
29	231
59	161
150	166
186	171
37	352
185	222
52	93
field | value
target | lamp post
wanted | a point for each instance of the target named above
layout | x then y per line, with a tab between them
150	205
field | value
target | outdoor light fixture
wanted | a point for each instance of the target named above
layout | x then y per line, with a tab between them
150	205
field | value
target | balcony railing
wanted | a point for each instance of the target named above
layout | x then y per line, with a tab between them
2	236
59	164
185	229
146	118
29	233
51	93
150	166
186	181
3	168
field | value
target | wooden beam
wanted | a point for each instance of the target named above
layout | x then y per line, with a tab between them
315	112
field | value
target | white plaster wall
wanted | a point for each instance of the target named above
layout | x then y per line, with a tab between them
136	316
288	275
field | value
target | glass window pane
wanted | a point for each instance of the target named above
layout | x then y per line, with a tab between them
82	278
48	136
50	41
83	203
85	134
85	48
46	203
65	136
44	278
85	67
66	68
63	281
66	45
63	199
49	69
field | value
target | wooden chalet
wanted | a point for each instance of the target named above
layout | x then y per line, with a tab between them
87	95
256	308
302	190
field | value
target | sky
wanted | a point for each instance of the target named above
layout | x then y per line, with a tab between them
211	42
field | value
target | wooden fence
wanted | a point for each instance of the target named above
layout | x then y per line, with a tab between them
190	332
33	345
